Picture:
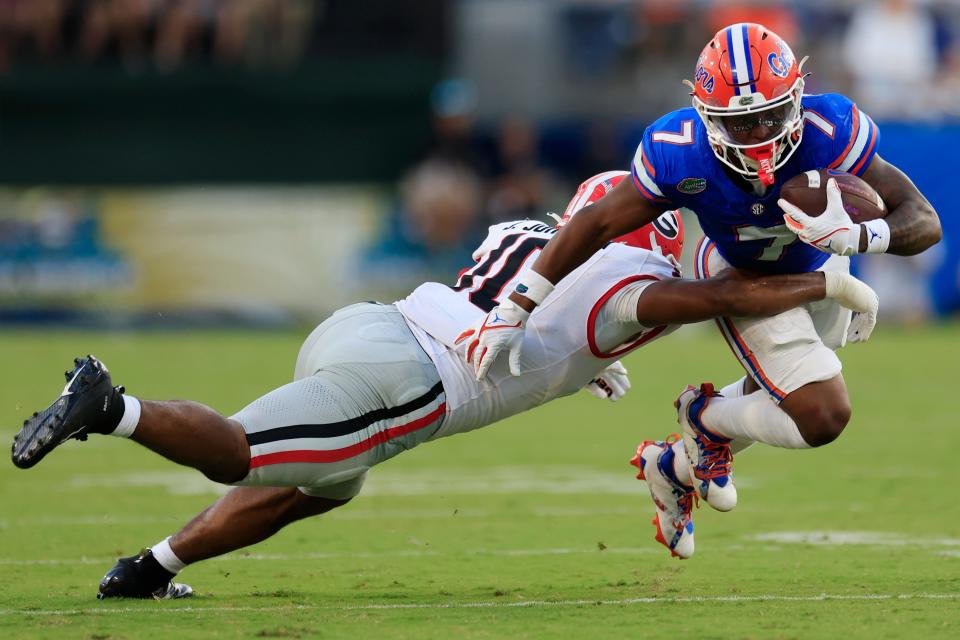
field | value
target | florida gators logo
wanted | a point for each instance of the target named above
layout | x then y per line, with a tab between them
704	79
692	186
780	63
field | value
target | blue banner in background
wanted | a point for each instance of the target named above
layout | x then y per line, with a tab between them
925	153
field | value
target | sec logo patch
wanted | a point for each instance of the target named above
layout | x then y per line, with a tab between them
757	209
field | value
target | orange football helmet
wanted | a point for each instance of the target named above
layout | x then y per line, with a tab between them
747	89
664	235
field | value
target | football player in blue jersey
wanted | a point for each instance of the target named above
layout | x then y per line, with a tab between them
751	128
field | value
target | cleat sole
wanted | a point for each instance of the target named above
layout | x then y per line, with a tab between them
71	415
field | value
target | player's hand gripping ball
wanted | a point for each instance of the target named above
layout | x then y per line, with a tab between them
826	208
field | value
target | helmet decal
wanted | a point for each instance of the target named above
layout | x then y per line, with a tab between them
741	65
780	62
704	78
668	224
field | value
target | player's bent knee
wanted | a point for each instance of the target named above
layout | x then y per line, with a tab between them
823	426
235	469
310	506
226	474
232	464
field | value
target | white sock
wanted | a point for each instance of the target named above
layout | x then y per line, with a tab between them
166	557
130	419
753	417
735	390
681	465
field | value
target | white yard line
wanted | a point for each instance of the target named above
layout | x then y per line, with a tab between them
760	542
93	521
321	555
842	538
160	609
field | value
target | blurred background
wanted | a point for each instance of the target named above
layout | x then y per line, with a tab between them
184	162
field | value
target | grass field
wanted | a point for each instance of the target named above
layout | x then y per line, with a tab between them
532	528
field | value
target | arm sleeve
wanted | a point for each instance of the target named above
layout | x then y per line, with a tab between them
621	309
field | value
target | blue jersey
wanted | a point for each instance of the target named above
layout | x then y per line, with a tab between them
675	167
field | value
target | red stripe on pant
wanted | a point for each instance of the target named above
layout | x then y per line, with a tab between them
335	455
729	332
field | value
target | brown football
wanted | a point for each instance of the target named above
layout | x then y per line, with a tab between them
809	192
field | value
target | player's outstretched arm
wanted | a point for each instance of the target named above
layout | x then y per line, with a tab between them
622	210
914	224
738	295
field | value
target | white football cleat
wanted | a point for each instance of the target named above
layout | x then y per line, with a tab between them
673	499
708	453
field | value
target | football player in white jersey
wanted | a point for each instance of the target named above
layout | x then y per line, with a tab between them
374	380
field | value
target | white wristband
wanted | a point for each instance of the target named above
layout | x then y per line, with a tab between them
534	287
878	235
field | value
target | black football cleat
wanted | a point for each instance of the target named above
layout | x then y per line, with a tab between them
88	404
141	576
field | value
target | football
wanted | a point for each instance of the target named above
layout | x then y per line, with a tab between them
809	192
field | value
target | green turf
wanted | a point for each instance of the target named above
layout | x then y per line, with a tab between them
540	511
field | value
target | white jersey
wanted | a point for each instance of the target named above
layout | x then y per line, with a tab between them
569	339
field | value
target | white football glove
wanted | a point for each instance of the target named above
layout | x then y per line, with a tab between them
859	298
832	231
501	329
861	326
612	383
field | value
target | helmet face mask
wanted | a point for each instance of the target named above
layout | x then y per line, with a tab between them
748	94
769	124
730	133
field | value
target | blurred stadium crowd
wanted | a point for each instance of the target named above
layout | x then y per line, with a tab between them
163	33
168	34
600	38
537	95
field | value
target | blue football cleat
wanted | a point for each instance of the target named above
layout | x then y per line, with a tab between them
708	453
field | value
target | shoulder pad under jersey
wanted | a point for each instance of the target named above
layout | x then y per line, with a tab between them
838	134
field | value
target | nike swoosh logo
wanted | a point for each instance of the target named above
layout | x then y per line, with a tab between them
66	387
